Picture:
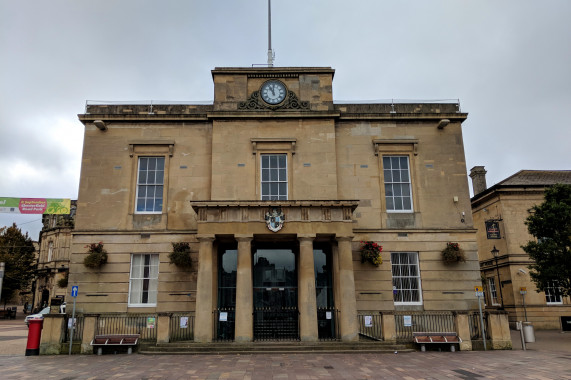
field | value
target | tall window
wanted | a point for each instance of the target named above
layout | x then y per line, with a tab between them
274	177
150	181
493	291
398	194
144	280
553	293
406	278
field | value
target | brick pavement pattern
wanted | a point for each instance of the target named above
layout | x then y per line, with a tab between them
429	365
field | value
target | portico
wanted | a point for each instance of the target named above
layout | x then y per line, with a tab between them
272	292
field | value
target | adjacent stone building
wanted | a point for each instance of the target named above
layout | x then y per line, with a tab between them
499	215
275	186
53	258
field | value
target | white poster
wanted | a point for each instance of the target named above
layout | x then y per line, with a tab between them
327	315
183	322
223	316
70	321
407	320
368	321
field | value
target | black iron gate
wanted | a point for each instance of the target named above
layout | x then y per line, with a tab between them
276	323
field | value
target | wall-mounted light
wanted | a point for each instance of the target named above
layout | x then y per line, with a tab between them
443	123
100	124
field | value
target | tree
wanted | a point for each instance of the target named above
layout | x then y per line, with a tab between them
550	224
17	252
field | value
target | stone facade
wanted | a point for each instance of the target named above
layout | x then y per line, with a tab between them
336	190
53	258
506	205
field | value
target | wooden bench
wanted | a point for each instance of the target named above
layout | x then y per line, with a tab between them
115	340
9	313
424	338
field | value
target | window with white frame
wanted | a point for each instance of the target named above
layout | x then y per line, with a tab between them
493	291
553	293
143	280
274	177
406	278
396	173
150	181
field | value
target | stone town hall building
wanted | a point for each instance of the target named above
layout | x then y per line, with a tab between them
275	186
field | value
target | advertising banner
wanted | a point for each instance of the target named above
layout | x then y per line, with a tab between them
34	206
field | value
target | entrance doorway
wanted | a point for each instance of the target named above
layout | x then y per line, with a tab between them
276	315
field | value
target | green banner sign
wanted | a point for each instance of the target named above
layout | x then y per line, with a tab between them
34	206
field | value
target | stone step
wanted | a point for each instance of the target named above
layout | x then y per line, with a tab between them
190	348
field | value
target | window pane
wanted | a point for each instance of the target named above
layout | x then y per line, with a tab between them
398	203
273	162
143	162
274	189
390	204
404	175
265	161
142	177
406	203
160	177
388	176
152	163
265	175
265	188
282	175
403	162
283	188
273	175
282	160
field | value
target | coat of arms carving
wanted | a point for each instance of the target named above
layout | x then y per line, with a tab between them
275	219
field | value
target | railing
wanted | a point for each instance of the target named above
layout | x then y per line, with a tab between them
475	325
77	330
281	324
370	325
224	324
327	324
409	322
181	327
143	324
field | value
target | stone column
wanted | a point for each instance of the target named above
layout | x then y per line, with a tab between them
204	291
306	291
463	330
348	324
244	330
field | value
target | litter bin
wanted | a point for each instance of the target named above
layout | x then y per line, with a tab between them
528	333
34	336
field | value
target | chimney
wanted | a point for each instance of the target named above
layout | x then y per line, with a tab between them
478	175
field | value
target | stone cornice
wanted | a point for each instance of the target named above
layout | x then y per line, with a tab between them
254	211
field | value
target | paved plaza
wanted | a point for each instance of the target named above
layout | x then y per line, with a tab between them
548	358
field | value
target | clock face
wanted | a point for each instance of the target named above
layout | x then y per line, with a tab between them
273	92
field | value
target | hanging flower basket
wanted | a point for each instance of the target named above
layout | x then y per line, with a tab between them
62	282
97	256
371	253
180	255
453	253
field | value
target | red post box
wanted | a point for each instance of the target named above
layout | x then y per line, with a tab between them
34	336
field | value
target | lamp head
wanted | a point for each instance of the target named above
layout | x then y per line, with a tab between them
495	251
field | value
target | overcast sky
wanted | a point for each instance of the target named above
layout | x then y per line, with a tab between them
508	62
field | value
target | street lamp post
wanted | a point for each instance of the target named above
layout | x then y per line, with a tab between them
495	253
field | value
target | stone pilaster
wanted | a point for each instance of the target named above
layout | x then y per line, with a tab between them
89	330
348	324
50	342
463	330
163	327
389	328
306	291
244	330
204	290
499	330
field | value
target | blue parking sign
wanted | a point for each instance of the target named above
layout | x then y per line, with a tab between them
74	290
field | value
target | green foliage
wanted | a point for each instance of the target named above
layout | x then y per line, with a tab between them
453	253
17	252
550	224
62	282
371	253
180	255
97	255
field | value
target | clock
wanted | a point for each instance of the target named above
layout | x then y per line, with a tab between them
273	92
